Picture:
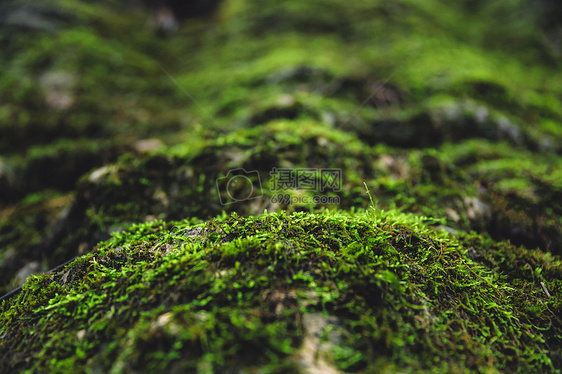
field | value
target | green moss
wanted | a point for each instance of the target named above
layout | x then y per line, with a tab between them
25	228
236	292
449	113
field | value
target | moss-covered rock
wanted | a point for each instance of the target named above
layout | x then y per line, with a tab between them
446	112
366	292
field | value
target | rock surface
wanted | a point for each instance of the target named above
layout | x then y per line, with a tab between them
123	147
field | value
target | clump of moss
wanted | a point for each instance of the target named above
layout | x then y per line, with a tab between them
238	293
190	179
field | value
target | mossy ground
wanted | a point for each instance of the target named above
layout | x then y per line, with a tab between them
237	294
445	111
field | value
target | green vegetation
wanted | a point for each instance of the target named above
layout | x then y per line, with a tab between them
116	146
388	292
